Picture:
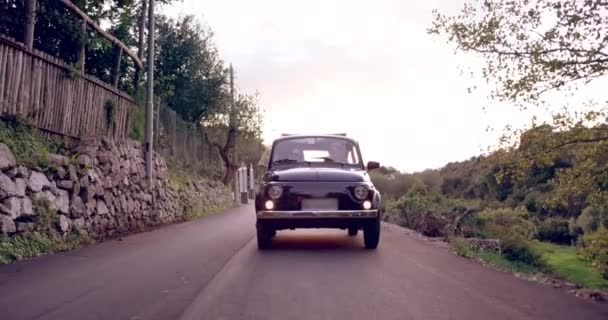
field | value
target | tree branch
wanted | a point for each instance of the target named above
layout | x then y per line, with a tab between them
526	53
105	34
568	143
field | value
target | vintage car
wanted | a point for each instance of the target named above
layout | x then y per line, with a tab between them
317	181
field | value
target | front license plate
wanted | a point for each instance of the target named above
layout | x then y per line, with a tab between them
320	204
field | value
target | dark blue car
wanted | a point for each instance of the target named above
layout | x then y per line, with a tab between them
318	181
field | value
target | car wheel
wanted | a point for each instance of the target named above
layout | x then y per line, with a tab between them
352	232
371	234
264	237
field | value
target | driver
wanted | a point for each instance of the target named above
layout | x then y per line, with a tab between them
337	152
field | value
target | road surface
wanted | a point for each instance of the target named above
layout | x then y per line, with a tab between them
211	269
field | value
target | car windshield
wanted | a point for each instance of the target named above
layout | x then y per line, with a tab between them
316	150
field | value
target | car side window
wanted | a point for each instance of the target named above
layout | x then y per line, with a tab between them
352	155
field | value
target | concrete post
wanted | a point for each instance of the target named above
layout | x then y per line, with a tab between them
150	95
236	186
251	182
243	184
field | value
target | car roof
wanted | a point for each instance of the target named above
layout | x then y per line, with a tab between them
298	136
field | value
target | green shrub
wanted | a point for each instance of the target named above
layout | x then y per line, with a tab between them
594	249
531	202
515	230
555	230
591	219
431	214
501	222
574	229
503	263
138	124
517	248
461	247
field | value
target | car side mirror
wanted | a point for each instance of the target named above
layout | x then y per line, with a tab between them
372	165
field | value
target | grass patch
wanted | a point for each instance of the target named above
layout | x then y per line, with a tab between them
563	262
559	261
181	174
201	212
44	239
34	244
505	264
179	180
26	143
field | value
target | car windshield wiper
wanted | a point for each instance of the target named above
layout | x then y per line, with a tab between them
285	160
290	161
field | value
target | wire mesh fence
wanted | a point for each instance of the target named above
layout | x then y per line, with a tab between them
185	145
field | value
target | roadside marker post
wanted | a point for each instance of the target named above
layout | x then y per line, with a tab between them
251	182
243	184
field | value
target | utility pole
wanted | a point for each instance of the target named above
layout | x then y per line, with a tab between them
231	125
150	93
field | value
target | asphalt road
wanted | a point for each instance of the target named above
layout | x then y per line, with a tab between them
211	269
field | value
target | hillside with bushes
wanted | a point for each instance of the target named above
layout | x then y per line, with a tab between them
525	196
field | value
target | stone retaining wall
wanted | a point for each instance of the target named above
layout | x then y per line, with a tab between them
99	188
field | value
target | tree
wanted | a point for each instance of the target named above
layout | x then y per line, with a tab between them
192	78
237	116
531	47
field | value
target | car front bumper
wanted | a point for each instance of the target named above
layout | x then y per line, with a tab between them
306	214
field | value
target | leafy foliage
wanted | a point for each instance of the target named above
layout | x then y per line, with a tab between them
431	214
533	46
138	124
517	248
190	75
595	250
504	222
555	230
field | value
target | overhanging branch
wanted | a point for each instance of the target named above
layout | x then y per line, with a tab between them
105	34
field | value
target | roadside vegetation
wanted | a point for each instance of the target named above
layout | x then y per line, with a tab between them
201	212
542	191
27	144
43	239
525	208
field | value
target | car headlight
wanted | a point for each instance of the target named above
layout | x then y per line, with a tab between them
361	192
275	192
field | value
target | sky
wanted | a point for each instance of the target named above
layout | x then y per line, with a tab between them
366	68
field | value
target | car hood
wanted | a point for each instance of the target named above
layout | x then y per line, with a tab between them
317	174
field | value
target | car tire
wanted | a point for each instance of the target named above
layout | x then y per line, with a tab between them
264	237
371	234
352	232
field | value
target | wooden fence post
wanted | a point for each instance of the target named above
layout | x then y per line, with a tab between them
116	66
140	44
30	24
82	51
